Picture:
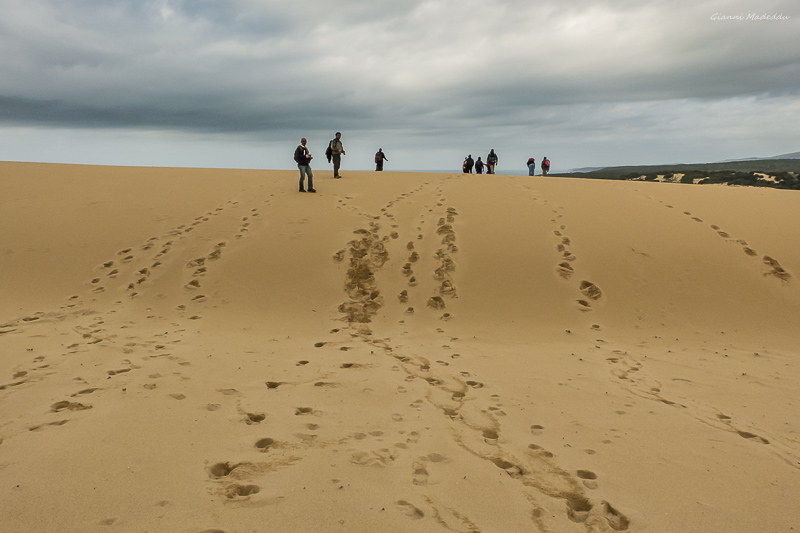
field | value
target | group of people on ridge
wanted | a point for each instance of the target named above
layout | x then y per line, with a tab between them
532	166
303	158
334	153
469	164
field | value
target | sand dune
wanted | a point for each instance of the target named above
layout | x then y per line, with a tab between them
188	350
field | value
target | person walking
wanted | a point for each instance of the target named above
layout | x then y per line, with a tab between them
303	159
380	157
531	166
479	166
337	151
491	161
469	163
545	166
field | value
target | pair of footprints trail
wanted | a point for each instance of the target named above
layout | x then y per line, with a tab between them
629	373
443	264
773	267
590	292
368	253
66	406
478	431
133	269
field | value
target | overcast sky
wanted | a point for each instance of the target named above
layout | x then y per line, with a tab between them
236	83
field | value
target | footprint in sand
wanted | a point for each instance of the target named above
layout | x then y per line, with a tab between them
254	418
753	436
589	478
265	444
590	290
511	469
490	436
420	476
579	510
237	491
410	510
42	426
67	405
565	270
777	270
436	302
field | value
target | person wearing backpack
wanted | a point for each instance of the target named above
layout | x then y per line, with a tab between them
479	166
545	166
531	166
380	157
303	160
337	151
491	161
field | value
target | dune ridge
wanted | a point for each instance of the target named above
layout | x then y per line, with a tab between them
209	350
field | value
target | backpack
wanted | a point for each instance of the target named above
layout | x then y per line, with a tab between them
546	163
297	155
329	152
378	157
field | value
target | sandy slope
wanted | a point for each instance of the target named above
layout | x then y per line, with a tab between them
541	354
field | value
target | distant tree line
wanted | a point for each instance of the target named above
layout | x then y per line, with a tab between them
783	173
781	180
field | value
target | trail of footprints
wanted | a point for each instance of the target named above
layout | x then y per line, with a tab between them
479	432
591	292
123	272
628	372
150	265
452	392
774	268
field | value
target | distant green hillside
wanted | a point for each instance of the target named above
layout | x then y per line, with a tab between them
783	173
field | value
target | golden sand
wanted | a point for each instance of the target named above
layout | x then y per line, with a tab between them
189	350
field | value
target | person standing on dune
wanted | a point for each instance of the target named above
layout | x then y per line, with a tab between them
303	159
531	166
337	151
380	157
545	166
468	164
491	161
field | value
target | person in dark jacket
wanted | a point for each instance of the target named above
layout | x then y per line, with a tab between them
380	157
468	164
303	159
545	166
491	161
479	166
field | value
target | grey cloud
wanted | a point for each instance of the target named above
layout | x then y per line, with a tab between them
430	67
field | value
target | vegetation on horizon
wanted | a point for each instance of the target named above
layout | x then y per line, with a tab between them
773	173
